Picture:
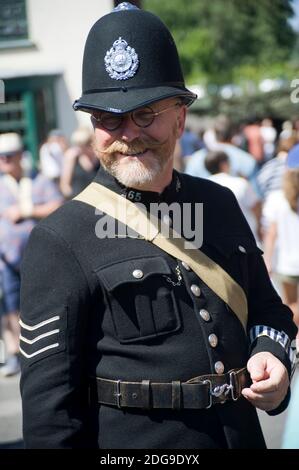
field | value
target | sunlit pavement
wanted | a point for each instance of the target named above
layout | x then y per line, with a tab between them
11	422
274	426
10	413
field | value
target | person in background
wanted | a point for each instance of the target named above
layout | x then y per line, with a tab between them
238	138
52	155
269	134
80	163
23	202
296	127
217	163
287	130
209	135
255	143
241	162
283	231
190	142
269	177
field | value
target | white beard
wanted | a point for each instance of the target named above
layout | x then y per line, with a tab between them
135	173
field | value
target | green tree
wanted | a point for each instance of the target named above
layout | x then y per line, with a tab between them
218	37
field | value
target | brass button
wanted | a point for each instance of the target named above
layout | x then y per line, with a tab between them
242	249
137	273
219	367
186	266
204	314
195	290
213	340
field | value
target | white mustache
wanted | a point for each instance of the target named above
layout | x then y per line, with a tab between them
137	146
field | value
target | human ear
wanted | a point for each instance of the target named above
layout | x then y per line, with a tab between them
181	119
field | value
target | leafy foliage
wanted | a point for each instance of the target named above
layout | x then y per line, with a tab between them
221	41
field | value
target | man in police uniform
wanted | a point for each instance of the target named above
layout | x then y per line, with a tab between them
123	344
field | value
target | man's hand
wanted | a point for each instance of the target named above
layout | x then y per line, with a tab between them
270	381
12	213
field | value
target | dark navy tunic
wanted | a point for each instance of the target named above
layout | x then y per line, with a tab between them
84	313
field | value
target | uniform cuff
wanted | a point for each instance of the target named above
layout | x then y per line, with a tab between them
266	344
283	405
279	337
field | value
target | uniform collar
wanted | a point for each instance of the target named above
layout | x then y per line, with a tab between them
170	194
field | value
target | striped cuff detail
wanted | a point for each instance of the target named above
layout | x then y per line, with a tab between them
280	337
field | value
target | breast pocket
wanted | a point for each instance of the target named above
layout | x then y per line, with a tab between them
141	301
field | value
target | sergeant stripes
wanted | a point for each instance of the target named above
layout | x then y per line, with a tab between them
31	341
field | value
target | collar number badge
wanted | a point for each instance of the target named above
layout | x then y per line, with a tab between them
121	61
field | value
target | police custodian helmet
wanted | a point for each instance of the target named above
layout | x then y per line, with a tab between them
130	60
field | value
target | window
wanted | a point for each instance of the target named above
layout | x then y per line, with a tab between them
13	21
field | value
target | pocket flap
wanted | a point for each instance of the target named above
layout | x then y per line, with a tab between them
132	270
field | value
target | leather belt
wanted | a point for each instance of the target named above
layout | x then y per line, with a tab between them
199	392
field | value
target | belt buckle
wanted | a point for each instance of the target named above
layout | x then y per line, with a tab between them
210	393
232	388
221	389
118	394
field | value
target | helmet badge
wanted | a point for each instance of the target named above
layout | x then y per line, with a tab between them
121	61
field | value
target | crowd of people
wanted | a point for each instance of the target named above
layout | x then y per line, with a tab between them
260	166
26	196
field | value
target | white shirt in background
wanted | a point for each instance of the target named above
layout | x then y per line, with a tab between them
245	194
51	160
268	134
278	210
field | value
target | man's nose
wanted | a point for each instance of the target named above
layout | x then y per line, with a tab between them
129	130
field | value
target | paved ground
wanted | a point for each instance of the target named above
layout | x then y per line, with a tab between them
11	427
274	426
10	413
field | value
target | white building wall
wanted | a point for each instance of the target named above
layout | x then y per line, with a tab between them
58	30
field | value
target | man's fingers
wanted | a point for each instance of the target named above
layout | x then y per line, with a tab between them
265	386
264	401
277	377
257	371
267	397
270	381
262	404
